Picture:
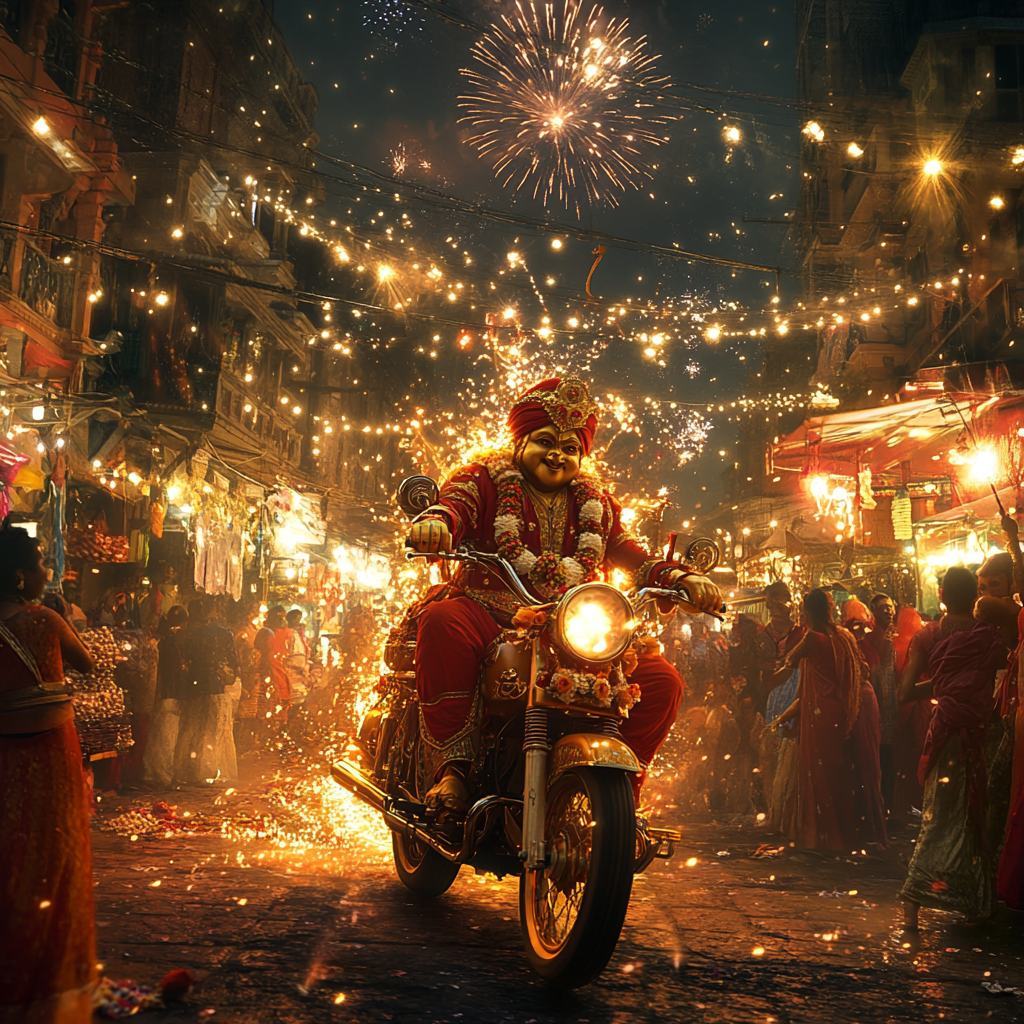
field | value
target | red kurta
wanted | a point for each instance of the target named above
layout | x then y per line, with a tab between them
454	633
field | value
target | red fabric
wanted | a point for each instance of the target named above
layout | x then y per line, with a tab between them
825	795
908	625
649	722
866	740
527	416
1010	875
271	647
47	953
470	496
451	638
963	667
1009	692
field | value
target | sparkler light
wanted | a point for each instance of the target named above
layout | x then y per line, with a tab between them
559	102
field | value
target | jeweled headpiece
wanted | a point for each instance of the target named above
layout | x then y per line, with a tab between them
564	403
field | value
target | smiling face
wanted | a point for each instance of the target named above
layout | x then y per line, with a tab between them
549	460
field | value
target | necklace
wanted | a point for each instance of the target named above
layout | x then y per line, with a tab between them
551	508
549	573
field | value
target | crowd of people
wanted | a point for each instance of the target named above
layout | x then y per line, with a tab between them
839	726
226	683
842	725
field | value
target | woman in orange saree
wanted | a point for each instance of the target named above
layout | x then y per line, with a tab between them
47	941
827	702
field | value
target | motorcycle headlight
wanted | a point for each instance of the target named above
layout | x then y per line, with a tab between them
594	622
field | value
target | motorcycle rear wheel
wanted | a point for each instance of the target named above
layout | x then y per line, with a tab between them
571	913
421	870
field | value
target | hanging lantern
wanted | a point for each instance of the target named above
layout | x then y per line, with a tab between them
902	524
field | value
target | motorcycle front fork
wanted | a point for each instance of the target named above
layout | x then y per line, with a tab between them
535	789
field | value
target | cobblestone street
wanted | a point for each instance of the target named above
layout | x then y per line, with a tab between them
316	934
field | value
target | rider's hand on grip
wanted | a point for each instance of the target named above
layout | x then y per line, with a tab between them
430	537
702	595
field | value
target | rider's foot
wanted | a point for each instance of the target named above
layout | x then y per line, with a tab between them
449	796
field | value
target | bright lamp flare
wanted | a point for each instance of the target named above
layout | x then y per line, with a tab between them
559	102
984	466
586	631
594	622
932	167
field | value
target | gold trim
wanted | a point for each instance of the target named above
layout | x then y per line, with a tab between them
463	746
590	749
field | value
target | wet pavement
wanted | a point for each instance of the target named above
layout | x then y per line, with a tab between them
277	929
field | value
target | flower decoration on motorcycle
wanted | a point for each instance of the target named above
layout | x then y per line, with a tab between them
605	691
529	618
550	574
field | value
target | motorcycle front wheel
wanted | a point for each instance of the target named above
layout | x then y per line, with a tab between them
572	912
421	870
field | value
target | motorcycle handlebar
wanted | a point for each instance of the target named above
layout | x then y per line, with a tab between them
677	594
506	573
511	579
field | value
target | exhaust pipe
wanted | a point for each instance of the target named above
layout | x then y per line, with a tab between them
351	777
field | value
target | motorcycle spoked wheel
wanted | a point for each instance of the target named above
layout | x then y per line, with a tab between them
571	913
421	869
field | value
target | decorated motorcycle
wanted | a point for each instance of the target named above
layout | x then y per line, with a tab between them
556	807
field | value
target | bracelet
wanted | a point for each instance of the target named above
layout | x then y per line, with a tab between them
431	515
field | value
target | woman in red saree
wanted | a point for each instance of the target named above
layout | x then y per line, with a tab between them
827	702
47	941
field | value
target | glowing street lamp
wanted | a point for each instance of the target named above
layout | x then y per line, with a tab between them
932	167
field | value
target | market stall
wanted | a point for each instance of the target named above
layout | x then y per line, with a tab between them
102	721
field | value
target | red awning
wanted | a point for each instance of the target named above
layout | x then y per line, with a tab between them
885	436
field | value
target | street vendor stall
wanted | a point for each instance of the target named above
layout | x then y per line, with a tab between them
965	535
103	723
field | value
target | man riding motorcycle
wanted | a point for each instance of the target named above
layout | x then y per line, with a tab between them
558	527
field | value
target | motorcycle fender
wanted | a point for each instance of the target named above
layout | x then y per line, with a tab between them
591	749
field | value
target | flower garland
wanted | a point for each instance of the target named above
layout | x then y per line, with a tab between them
611	690
549	573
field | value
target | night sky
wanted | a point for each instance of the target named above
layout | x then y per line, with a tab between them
387	75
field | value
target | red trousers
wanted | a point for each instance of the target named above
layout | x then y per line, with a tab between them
450	644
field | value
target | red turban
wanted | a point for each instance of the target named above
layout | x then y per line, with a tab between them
564	404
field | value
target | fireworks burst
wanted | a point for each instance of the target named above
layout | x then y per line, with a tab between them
559	103
388	19
406	158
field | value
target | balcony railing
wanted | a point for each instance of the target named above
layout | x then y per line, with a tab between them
48	287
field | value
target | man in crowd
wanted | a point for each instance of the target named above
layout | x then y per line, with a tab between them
781	629
952	867
708	661
752	656
275	690
206	746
